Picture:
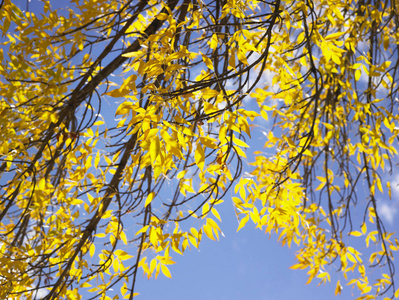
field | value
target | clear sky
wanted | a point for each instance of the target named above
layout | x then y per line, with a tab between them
243	265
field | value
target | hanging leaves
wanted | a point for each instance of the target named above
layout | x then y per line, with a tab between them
122	120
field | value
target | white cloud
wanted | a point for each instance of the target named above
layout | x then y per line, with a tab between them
388	211
395	185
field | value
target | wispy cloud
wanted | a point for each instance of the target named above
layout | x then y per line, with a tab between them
388	211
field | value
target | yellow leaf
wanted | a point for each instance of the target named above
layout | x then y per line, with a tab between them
338	13
97	159
166	271
241	57
207	61
216	214
386	42
85	284
208	231
366	289
239	142
76	202
243	222
213	43
213	224
199	157
118	93
122	255
99	122
239	151
162	16
298	266
155	147
181	174
209	142
205	209
123	237
336	59
149	199
112	239
107	214
127	296
128	82
153	265
321	185
356	233
338	288
358	74
193	240
379	185
142	230
131	54
92	249
115	264
351	257
364	228
334	36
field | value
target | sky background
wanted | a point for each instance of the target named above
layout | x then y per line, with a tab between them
244	265
250	265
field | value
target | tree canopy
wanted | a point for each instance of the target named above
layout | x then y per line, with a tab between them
90	197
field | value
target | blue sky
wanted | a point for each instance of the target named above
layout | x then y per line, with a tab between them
243	265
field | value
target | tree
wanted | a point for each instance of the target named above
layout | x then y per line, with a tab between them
177	73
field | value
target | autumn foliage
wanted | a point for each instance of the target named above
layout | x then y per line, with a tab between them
124	121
